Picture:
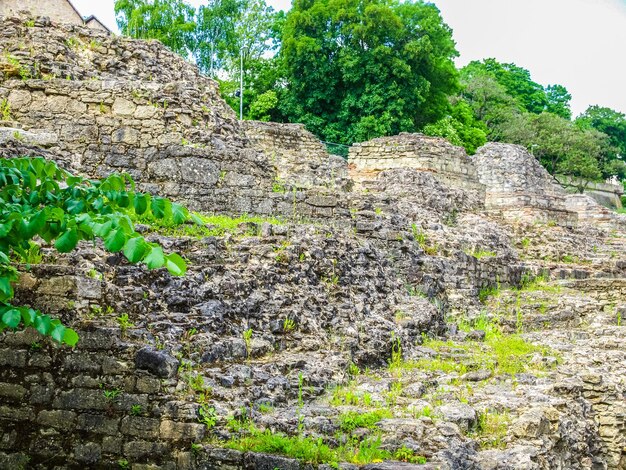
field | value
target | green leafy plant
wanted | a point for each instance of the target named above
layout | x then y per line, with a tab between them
289	325
111	395
125	322
404	454
136	410
39	199
247	337
207	416
5	110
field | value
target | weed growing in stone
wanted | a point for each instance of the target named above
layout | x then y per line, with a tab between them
124	322
351	420
247	337
499	353
136	410
111	395
491	429
207	416
422	240
5	110
289	325
479	253
208	225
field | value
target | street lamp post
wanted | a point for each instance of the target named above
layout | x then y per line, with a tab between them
241	82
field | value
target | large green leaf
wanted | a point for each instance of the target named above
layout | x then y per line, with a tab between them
43	324
155	258
160	207
5	228
6	291
28	315
70	337
179	213
140	203
12	318
58	333
115	241
175	264
67	242
135	249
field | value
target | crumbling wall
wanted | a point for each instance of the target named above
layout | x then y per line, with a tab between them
297	155
518	187
590	212
448	164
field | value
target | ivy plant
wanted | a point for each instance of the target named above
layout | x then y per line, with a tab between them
39	200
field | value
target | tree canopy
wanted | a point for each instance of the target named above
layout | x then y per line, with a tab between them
358	69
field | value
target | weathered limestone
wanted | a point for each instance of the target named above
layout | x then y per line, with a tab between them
164	366
590	212
448	164
518	187
606	194
297	155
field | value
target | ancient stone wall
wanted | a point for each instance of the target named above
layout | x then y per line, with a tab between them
297	155
590	212
606	194
449	164
518	187
170	131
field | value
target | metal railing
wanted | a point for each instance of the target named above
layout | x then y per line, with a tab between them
337	149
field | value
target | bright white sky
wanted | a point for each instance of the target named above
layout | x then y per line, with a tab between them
580	44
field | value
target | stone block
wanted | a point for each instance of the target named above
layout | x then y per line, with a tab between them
137	450
88	453
13	357
190	432
148	385
123	107
140	427
158	362
98	424
59	419
12	392
81	399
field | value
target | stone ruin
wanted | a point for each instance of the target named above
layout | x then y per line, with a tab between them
449	164
365	258
296	155
519	187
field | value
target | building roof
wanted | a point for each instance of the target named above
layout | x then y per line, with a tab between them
74	8
91	18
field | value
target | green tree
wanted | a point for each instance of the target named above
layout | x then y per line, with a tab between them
358	69
215	34
489	101
613	124
460	127
41	202
558	101
170	21
559	145
517	82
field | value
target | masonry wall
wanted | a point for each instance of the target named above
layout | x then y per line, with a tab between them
297	155
518	187
448	163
